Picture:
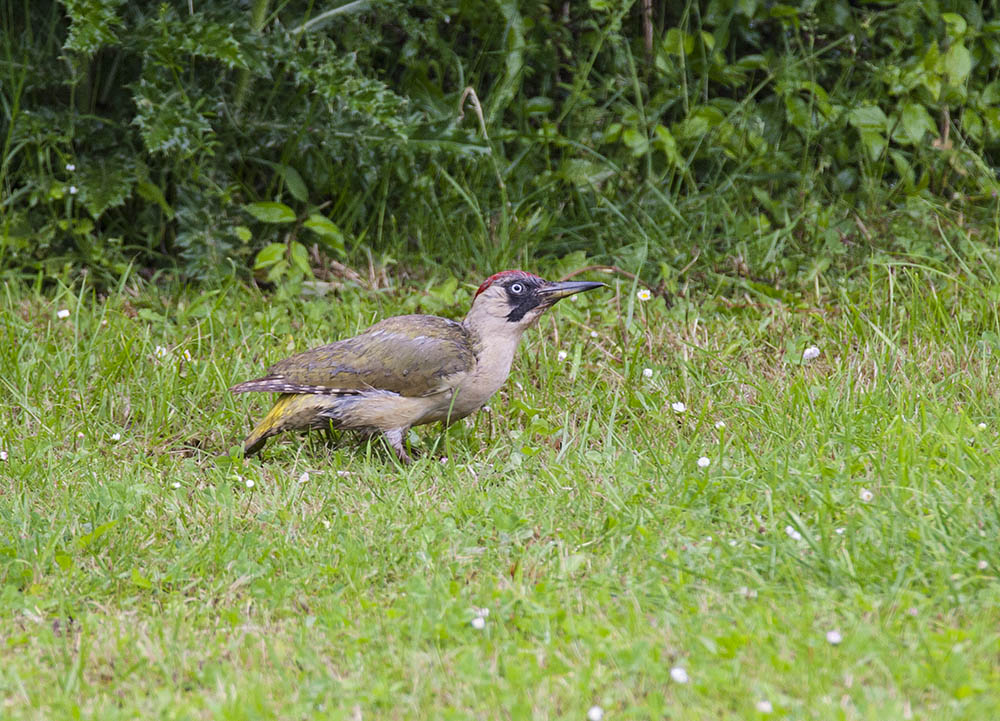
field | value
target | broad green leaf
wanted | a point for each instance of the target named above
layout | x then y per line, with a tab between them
636	141
139	580
678	42
916	121
955	25
957	64
664	141
300	258
269	255
243	233
293	181
326	229
87	540
868	117
269	212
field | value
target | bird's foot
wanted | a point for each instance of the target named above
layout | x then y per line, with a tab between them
395	438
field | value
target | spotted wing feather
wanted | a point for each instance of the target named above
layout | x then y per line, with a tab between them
409	355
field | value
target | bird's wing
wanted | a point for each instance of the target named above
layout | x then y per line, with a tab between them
409	355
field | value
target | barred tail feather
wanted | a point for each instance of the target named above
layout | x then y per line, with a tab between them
282	385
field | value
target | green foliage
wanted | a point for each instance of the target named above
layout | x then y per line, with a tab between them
776	139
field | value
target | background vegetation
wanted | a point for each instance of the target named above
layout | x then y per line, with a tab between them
760	140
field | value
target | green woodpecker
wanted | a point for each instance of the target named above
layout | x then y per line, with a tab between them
408	370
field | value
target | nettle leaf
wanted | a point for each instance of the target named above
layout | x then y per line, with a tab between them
92	24
268	212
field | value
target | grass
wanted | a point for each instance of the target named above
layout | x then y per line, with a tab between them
142	576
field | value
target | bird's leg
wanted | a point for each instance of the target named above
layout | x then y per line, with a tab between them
395	437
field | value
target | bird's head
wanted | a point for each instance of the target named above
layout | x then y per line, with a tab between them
514	300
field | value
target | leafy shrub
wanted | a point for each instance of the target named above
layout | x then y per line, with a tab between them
769	138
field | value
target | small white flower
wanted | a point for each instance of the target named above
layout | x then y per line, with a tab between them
981	426
561	355
834	637
704	462
444	460
104	321
679	675
982	565
792	533
764	706
73	190
176	484
304	477
249	483
116	436
912	611
595	713
719	425
839	531
479	623
747	592
80	434
70	167
644	294
866	495
678	406
733	542
647	372
160	352
62	314
810	353
187	355
3	455
486	409
593	334
480	612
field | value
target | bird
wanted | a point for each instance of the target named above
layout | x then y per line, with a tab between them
408	370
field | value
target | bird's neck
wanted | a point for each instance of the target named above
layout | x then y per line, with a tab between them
494	341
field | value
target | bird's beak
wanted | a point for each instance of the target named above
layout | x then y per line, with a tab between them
551	292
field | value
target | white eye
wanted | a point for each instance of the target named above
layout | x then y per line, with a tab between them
516	288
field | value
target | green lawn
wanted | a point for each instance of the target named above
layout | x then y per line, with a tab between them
143	575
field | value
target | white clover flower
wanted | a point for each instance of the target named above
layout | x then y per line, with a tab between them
104	321
643	294
3	455
792	533
839	531
982	565
866	495
593	334
719	425
981	426
80	435
160	352
73	190
486	409
679	675
561	355
595	713
444	460
678	406
647	372
116	436
704	462
249	483
175	484
304	477
479	623
764	706
70	167
834	637
810	353
62	313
